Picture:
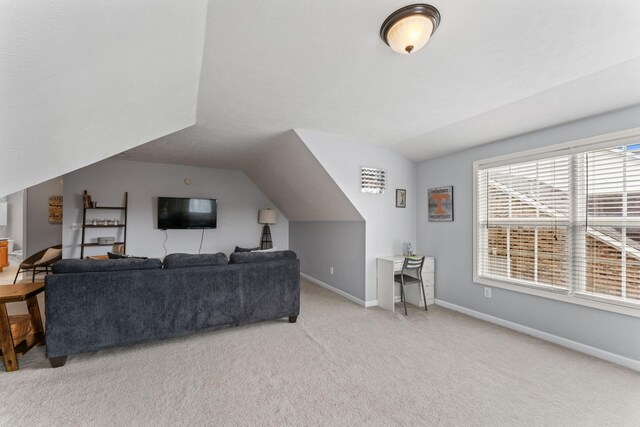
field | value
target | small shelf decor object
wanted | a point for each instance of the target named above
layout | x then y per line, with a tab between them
267	217
88	205
374	180
86	199
401	198
440	204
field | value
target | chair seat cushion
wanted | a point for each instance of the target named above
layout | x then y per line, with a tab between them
50	255
407	278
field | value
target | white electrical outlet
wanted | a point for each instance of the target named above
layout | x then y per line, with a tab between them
76	226
487	292
331	270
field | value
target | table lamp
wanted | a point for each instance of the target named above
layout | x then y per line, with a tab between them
266	217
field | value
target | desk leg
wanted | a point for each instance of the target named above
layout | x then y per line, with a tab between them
36	318
6	341
413	295
386	285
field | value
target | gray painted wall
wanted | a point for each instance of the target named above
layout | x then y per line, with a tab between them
387	227
4	230
451	244
40	234
15	219
321	245
238	203
16	211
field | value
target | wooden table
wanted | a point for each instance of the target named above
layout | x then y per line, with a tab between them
14	293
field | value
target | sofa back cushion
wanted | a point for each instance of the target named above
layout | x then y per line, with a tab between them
247	257
95	265
194	260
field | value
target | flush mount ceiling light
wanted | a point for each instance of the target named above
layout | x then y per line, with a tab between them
408	29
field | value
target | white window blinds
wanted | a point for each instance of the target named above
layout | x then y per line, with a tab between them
611	262
566	224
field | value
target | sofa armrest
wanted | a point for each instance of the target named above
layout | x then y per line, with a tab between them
270	290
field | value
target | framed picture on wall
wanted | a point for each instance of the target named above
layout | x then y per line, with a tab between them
55	209
441	204
401	198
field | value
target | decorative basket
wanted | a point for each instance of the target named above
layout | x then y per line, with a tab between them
20	327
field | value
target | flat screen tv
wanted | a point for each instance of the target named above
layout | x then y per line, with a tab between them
185	213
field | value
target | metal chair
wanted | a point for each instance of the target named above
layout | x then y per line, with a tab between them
411	264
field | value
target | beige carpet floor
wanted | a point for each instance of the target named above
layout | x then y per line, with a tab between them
339	365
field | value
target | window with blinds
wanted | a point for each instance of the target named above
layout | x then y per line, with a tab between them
566	224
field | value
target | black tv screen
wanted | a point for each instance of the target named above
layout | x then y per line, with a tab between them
183	213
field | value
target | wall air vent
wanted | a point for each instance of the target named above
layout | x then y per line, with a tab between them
374	180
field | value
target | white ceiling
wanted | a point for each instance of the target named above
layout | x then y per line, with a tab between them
83	80
494	68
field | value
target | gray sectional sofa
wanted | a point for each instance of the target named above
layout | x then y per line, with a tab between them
98	304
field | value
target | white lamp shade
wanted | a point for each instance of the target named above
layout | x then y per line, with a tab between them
410	34
267	216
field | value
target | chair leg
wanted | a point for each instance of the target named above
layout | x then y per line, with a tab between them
424	296
33	278
404	300
16	278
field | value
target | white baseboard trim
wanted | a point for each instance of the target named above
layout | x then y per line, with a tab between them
564	342
337	291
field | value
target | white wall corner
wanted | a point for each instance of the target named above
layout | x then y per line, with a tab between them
337	291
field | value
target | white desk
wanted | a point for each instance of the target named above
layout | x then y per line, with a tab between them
387	267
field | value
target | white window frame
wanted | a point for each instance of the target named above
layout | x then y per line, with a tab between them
626	137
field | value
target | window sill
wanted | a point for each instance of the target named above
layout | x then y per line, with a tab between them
560	296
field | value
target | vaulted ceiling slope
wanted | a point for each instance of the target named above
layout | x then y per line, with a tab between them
493	69
294	180
81	81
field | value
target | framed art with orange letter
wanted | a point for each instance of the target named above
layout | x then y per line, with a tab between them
441	204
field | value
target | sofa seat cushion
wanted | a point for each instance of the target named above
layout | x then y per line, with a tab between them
247	257
96	265
194	260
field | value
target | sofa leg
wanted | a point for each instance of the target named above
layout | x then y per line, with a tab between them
292	319
57	362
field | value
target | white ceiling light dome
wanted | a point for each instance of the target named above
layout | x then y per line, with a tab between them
408	29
